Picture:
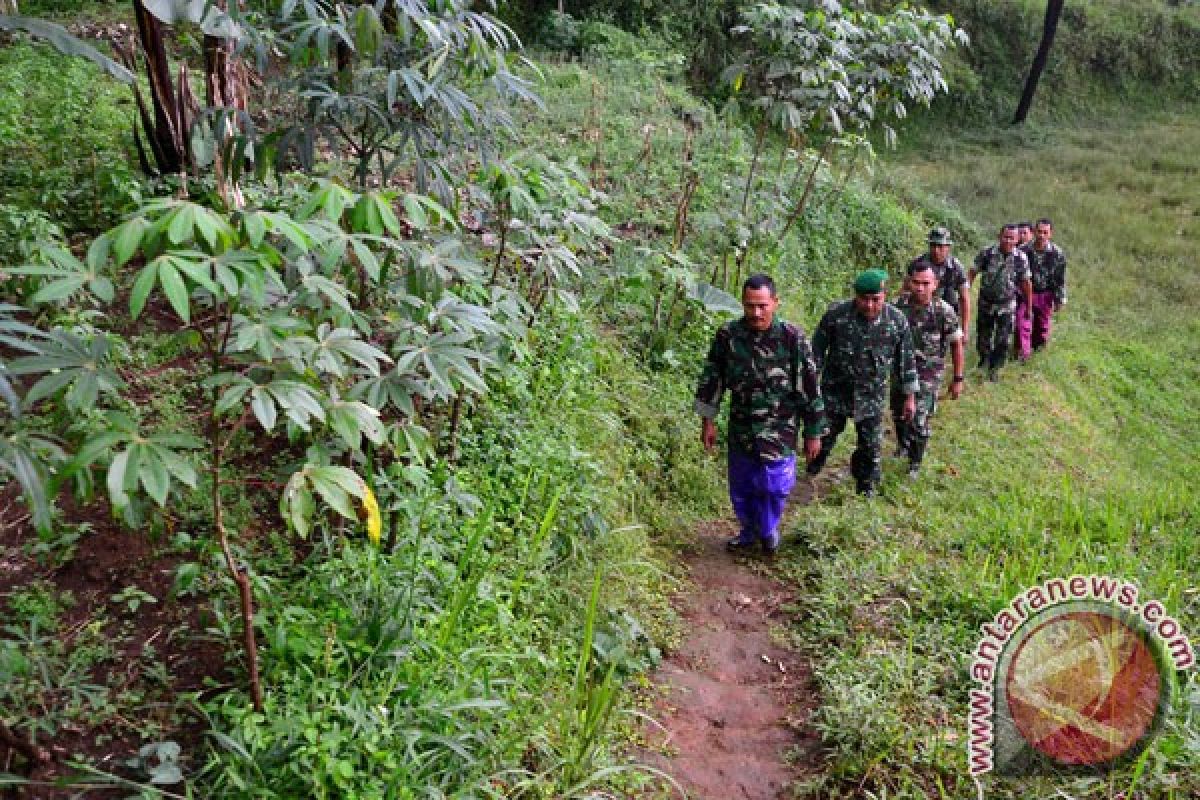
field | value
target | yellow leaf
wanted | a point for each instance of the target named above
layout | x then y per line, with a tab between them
374	519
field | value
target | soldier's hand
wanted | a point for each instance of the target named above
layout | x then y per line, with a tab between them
910	408
812	449
708	434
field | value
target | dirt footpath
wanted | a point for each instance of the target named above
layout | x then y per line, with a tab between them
733	704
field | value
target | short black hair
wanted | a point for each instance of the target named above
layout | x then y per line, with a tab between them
920	265
759	281
1009	226
1027	225
1045	221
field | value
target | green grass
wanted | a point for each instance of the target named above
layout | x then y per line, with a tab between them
1082	461
66	131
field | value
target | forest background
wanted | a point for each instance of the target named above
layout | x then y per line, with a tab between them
399	369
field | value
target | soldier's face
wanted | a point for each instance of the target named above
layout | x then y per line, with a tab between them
1025	235
870	305
1008	240
939	253
923	284
1042	236
758	308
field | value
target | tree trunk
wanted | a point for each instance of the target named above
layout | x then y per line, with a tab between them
1049	28
166	137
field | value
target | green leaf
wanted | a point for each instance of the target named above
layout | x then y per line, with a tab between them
141	288
331	484
127	238
116	480
97	254
296	503
179	229
58	290
154	478
263	406
174	288
416	213
255	228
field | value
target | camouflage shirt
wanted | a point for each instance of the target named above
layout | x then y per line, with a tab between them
951	276
857	357
771	378
1000	277
1048	270
934	328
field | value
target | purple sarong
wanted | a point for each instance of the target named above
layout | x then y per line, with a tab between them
1034	331
758	491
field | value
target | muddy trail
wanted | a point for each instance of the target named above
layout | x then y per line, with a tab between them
733	705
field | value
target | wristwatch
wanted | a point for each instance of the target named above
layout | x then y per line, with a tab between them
958	378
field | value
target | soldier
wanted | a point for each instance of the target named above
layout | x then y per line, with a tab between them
767	366
859	345
1048	276
1024	233
1004	270
934	327
950	274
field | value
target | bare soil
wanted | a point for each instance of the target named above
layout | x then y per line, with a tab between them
733	702
168	633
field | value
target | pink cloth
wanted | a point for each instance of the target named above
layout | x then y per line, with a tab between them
1033	332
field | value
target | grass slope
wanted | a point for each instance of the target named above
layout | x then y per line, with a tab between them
1082	461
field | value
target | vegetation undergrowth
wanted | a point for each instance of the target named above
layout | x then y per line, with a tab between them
460	647
1079	462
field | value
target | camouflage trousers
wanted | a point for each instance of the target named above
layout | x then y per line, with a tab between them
913	436
993	332
866	464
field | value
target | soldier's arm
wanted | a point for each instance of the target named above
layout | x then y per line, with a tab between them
811	405
906	362
964	303
1060	279
820	342
956	337
1023	276
712	378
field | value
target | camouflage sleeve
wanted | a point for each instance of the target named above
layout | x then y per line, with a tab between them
820	342
1060	278
810	403
1021	271
951	327
956	276
712	377
905	360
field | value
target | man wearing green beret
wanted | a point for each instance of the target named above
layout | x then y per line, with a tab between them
859	345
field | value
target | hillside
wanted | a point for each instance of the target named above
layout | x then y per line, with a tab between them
441	434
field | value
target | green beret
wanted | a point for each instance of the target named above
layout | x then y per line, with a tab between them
870	282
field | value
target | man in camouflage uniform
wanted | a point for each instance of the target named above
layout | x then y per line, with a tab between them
950	274
860	344
1024	233
1048	276
1003	270
934	327
767	366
